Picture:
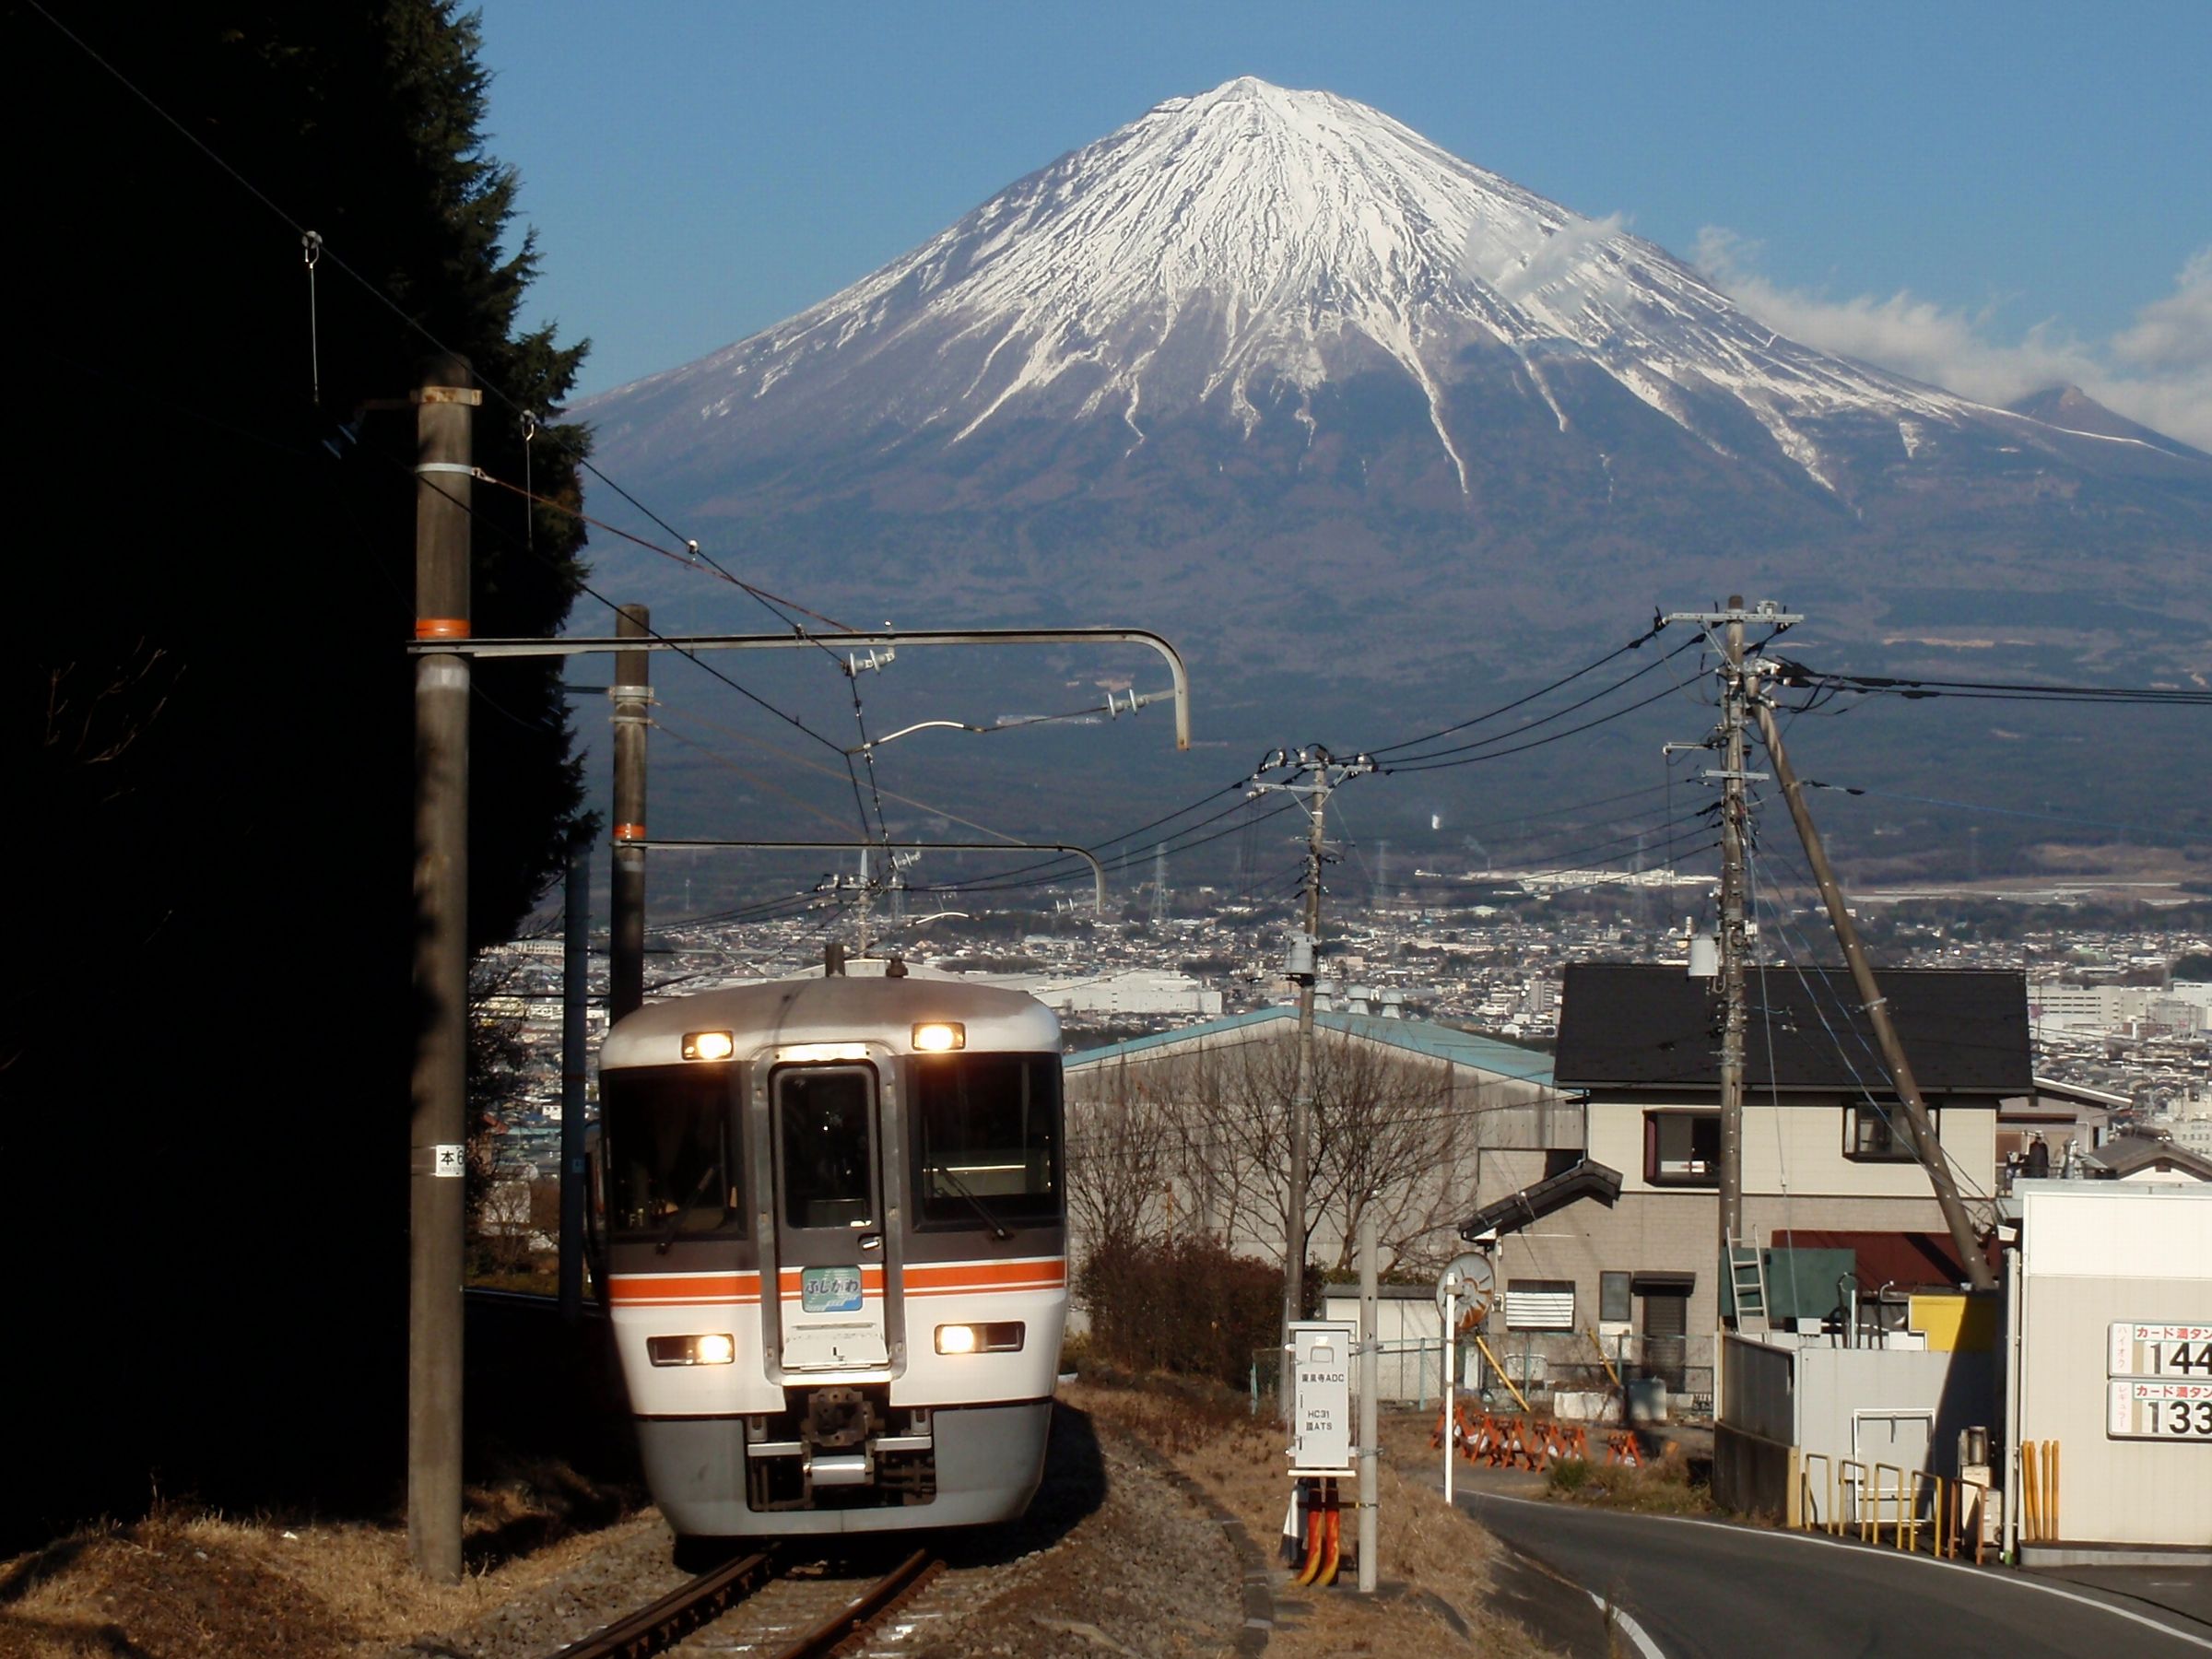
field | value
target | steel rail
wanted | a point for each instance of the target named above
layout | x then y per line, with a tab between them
864	1610
662	1623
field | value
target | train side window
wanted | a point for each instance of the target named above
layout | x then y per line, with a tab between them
826	1147
987	1138
670	1150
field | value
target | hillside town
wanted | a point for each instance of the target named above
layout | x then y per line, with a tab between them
2110	1016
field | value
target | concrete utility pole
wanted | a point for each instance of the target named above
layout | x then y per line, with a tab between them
1322	773
575	1001
632	697
1738	684
437	1152
1925	1147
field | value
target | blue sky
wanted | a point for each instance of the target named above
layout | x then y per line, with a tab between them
1990	196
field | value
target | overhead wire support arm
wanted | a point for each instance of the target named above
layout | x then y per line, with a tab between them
803	639
1098	870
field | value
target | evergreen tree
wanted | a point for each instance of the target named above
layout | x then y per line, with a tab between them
206	1021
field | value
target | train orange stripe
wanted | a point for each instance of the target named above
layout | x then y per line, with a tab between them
683	1287
929	1278
935	1280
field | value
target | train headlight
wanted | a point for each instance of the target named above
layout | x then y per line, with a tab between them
709	1045
715	1348
939	1036
1004	1338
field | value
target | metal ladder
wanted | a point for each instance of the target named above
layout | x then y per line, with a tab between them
1748	1281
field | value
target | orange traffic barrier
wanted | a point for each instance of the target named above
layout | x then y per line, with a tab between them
1620	1448
1485	1440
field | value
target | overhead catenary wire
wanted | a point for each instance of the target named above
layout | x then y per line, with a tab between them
317	247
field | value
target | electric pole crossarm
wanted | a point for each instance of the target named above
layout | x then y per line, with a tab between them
591	645
1098	870
1925	1147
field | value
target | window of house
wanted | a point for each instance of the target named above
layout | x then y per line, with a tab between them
1614	1299
1682	1149
1875	1131
1539	1304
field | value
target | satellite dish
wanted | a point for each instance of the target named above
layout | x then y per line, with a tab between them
1471	1280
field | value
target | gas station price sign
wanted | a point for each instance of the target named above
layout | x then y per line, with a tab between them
2140	1408
2150	1349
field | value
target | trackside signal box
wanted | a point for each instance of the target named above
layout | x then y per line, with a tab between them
1321	1397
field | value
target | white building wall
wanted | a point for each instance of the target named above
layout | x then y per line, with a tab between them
1798	1149
2093	1252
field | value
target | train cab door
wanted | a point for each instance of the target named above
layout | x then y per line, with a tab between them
826	1133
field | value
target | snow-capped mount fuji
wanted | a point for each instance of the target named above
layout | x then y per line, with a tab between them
1237	251
1263	329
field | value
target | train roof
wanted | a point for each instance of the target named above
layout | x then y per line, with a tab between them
784	1013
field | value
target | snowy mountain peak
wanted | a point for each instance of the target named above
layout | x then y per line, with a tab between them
1236	251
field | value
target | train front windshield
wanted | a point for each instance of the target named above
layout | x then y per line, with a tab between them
988	1139
672	1151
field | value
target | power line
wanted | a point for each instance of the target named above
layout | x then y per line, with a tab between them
1508	708
1796	674
1429	761
2019	812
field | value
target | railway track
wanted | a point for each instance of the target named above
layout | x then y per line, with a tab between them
661	1624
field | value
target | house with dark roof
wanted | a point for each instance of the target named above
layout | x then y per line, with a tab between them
1824	1164
2145	1156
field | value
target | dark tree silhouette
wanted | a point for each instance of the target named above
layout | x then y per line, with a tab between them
204	1013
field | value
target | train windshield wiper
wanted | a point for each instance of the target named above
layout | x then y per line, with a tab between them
998	1227
676	1219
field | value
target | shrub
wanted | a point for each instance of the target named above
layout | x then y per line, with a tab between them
1185	1305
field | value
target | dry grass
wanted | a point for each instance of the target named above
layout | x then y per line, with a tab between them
184	1582
1665	1487
1436	1556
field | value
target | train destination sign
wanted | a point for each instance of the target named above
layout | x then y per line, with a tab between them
2141	1409
2149	1350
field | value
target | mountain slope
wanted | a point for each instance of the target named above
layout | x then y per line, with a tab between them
1237	251
1269	371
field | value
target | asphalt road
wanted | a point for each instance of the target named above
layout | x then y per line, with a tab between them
1700	1590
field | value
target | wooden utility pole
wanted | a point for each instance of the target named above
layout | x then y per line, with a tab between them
1301	1092
1925	1147
576	1004
437	1160
633	695
1322	772
1738	684
1735	819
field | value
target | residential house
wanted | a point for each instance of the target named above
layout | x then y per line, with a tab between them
1826	1165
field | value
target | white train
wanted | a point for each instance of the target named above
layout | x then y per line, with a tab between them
836	1251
